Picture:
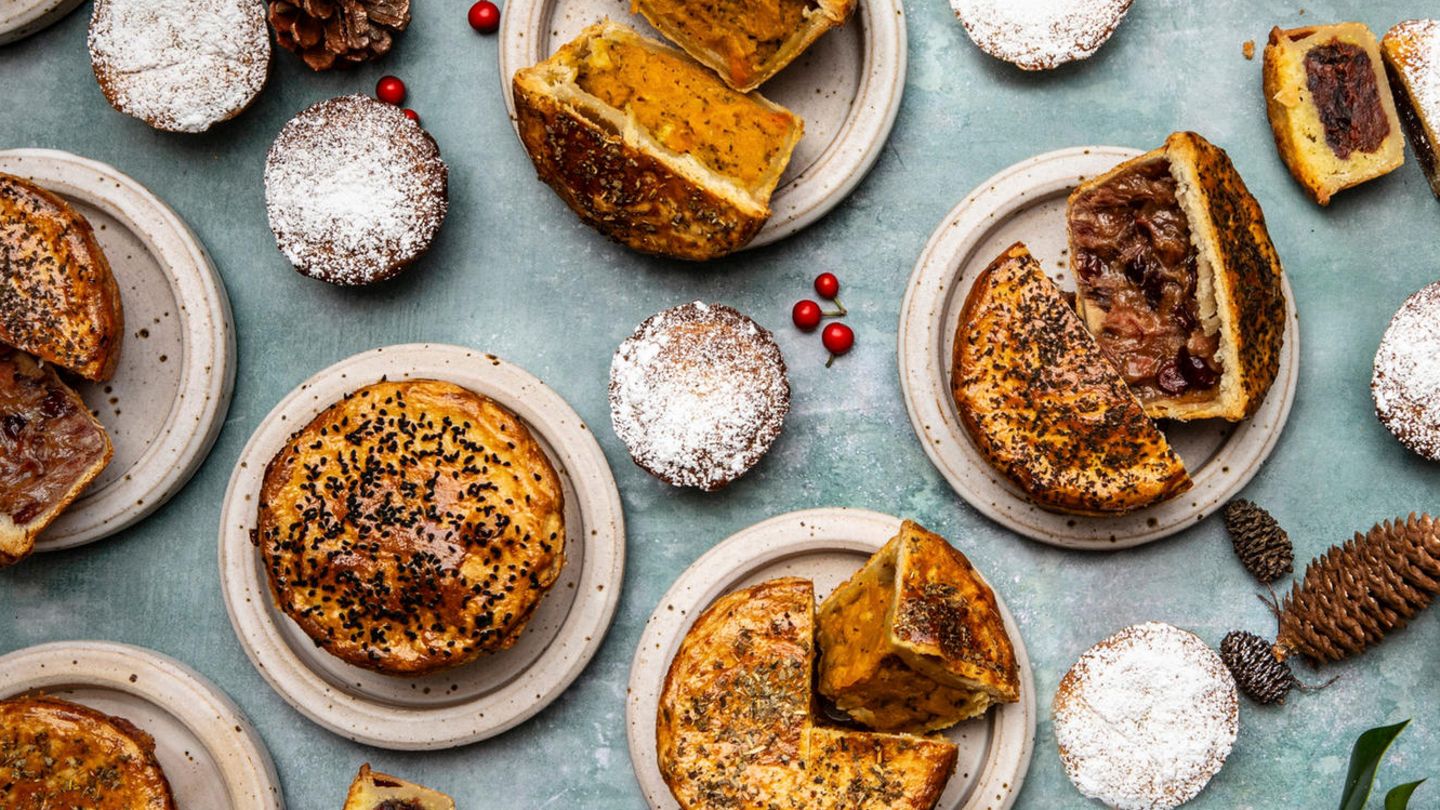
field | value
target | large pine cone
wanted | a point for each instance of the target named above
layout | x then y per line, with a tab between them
338	33
1356	594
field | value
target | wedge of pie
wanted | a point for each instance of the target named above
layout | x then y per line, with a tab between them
373	790
914	641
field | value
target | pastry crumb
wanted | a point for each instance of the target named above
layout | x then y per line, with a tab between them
1248	49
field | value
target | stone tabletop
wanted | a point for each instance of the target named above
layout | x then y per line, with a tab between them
514	273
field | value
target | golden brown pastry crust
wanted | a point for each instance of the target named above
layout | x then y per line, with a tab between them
1043	404
1295	122
51	448
744	72
620	182
54	753
373	790
411	527
914	641
1241	276
734	726
58	299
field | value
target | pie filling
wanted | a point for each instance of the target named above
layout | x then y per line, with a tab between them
684	107
47	442
1342	84
1136	263
746	33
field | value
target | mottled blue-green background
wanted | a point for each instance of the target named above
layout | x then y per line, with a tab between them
514	273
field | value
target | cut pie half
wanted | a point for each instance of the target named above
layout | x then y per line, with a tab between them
372	790
1044	405
914	641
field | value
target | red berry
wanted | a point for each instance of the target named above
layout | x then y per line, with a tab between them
827	285
806	315
390	90
838	338
485	17
411	114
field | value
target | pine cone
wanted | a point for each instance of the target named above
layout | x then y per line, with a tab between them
1258	673
1263	547
338	33
1356	594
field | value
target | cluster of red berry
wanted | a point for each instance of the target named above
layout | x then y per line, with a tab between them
837	337
484	17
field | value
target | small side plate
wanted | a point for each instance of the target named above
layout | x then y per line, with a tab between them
168	399
211	755
478	700
825	546
847	86
21	18
1026	203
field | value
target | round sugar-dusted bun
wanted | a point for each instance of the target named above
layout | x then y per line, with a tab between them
698	394
354	190
1040	34
180	67
1406	384
1145	718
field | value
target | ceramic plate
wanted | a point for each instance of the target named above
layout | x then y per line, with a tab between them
168	398
478	700
826	546
211	755
1026	202
21	18
847	87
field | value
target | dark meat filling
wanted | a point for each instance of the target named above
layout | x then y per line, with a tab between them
1342	83
47	442
1135	262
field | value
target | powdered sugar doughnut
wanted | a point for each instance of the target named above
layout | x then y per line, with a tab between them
1040	34
180	67
1406	384
1145	718
698	394
354	190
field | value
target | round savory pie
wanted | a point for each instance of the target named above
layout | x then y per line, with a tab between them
58	754
411	527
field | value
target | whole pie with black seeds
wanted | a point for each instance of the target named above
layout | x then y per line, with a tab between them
411	527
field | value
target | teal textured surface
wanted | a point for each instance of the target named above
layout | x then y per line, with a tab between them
514	273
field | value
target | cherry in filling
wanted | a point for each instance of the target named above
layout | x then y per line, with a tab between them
1342	83
1136	264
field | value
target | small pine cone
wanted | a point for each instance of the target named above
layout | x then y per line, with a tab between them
1356	594
338	33
1263	547
1258	673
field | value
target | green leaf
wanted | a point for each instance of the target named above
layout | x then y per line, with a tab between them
1365	760
1399	796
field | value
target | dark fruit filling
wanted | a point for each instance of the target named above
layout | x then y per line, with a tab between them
1342	83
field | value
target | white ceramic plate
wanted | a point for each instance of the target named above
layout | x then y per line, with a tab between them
478	700
21	18
169	396
1026	203
826	546
847	86
211	755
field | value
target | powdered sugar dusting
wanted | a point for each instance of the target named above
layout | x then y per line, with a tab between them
1040	34
1419	49
354	190
1406	384
1146	718
698	394
180	66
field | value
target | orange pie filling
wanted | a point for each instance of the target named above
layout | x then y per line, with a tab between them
745	33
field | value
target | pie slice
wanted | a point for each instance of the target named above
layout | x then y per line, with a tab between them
51	448
1044	405
914	641
377	791
1178	280
1412	60
735	727
58	300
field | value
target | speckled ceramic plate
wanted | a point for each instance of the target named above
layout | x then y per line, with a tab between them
211	755
471	702
21	18
826	546
1026	203
169	396
847	86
